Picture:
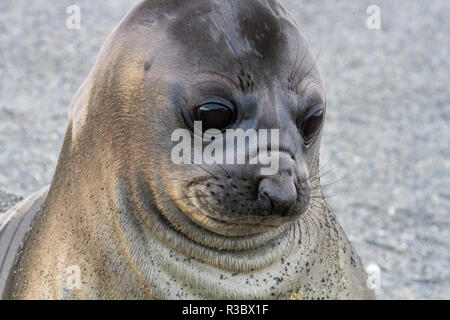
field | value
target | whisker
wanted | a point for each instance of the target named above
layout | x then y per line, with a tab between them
205	170
309	71
244	176
228	175
317	197
301	62
313	178
295	63
308	231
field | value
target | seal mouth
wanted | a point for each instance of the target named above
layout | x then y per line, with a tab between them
210	215
237	228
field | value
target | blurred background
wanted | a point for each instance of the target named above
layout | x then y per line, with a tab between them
386	142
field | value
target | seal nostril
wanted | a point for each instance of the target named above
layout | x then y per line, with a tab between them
279	194
287	211
272	205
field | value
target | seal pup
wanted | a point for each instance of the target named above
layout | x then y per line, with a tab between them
121	220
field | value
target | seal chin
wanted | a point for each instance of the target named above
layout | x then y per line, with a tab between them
237	228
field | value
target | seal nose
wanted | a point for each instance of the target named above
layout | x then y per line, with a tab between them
281	193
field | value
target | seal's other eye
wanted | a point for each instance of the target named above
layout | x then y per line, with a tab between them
312	123
214	116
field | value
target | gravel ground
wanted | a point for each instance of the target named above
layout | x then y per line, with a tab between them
386	142
7	201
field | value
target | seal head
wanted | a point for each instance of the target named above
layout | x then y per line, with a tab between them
249	63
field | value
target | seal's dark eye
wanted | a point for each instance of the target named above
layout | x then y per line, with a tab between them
214	116
312	123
